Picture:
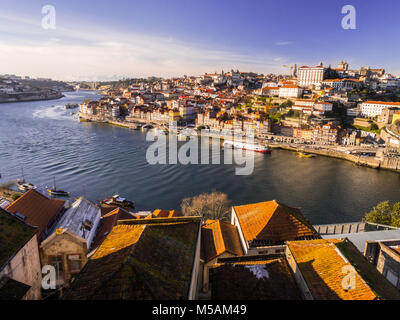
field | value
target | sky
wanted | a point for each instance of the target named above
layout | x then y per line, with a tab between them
109	40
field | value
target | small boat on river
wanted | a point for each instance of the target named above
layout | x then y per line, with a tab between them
117	201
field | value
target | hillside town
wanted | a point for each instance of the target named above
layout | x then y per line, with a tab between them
350	114
55	249
15	88
61	248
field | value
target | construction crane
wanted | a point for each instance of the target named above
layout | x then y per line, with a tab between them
292	68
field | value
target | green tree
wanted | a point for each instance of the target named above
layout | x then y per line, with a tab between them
381	214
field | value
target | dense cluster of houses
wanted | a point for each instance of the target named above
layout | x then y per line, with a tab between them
265	251
307	106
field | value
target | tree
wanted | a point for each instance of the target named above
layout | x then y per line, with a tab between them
215	206
381	214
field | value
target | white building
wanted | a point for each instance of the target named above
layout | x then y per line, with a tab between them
310	76
374	108
290	91
312	107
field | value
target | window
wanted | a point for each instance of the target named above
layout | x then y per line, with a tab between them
57	262
74	263
392	277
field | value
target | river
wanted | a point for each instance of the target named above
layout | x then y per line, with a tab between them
97	160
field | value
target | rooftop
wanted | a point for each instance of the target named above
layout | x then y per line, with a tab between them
11	289
14	234
273	223
267	279
140	261
80	218
359	239
322	263
218	237
37	208
108	222
165	214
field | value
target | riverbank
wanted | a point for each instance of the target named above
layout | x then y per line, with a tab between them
359	160
370	162
30	99
9	194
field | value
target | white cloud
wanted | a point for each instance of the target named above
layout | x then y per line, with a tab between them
284	43
74	54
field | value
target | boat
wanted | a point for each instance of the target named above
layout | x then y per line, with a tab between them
71	106
305	155
247	146
117	201
57	193
22	185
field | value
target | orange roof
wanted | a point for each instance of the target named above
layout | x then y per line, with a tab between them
321	263
383	102
273	222
108	221
165	214
37	208
219	237
121	236
290	86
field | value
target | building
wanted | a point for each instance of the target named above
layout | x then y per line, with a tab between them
332	269
385	255
386	117
375	108
144	260
107	222
66	252
81	219
265	227
218	240
396	116
20	270
290	91
310	76
37	210
303	134
309	106
165	214
326	134
253	278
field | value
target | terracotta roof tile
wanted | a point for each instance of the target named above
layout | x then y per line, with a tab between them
165	214
321	264
108	221
219	237
273	223
38	209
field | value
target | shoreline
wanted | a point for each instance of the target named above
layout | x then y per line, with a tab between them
370	162
357	160
32	100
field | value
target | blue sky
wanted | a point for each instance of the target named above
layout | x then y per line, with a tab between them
100	39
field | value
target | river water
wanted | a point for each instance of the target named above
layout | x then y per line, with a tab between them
98	160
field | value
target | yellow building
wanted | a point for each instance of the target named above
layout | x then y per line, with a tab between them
174	115
396	117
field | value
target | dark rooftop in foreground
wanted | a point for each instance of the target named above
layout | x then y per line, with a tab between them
14	234
11	289
253	278
140	262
